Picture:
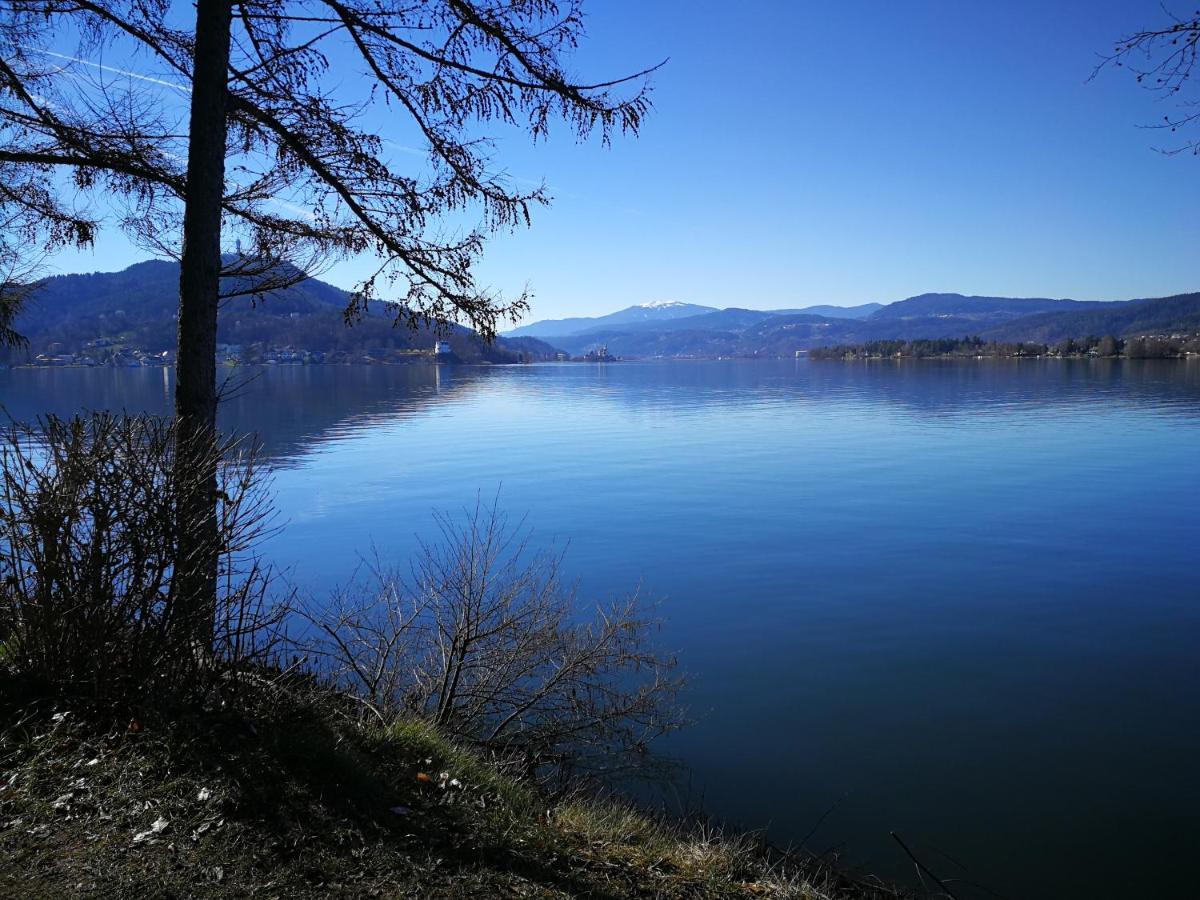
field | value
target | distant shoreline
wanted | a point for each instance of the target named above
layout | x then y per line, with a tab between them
1166	346
981	358
810	355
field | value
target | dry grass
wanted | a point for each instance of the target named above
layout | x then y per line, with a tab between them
293	799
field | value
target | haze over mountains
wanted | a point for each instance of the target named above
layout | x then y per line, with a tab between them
681	330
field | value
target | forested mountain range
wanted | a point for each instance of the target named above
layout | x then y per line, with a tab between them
673	315
654	312
745	332
136	307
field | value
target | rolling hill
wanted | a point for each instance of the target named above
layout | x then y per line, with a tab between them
932	306
741	332
137	307
1180	313
832	312
657	311
673	315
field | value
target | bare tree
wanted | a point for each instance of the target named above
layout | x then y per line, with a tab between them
271	150
1162	59
484	640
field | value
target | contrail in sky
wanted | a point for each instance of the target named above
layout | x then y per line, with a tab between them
102	67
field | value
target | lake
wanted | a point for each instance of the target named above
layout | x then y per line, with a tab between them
957	600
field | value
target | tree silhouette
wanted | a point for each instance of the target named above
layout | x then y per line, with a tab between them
258	122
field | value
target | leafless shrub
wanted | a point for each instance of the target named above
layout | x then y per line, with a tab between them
483	639
365	637
88	562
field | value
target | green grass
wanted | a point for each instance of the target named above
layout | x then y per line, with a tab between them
289	798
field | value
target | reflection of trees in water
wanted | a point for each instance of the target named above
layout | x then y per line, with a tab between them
293	409
26	394
942	388
918	388
296	408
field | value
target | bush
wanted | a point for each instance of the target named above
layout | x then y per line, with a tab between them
88	526
485	641
482	639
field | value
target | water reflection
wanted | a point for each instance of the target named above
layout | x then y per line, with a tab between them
295	409
955	599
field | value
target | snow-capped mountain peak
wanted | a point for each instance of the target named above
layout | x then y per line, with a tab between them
654	311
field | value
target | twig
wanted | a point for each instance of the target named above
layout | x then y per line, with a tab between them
922	868
825	815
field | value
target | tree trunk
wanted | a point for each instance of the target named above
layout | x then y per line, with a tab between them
199	285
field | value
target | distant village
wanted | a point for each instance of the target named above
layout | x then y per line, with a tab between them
111	353
102	352
1176	345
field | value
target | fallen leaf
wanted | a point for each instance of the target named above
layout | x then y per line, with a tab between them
159	826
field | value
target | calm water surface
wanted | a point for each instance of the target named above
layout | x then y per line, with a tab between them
955	600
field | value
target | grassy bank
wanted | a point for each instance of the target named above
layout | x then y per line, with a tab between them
289	798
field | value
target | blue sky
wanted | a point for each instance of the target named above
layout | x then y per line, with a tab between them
848	152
